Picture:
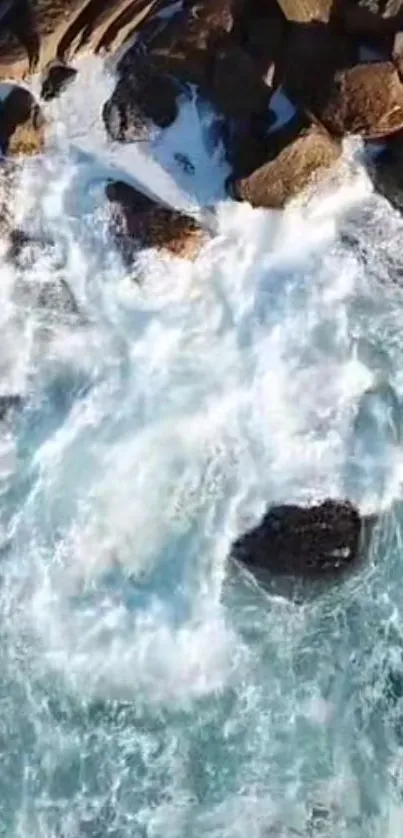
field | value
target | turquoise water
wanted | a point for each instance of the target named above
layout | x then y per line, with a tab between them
147	688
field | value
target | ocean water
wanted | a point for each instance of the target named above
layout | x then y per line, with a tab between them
147	688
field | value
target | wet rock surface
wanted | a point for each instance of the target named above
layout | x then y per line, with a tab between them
140	222
22	124
366	100
56	76
306	159
320	540
142	98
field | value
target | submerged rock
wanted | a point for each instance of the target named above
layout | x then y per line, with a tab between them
366	100
140	222
306	159
319	540
22	123
56	77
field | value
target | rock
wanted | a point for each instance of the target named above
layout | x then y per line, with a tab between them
318	540
313	54
21	123
374	22
366	100
185	48
387	174
305	11
235	86
140	222
55	78
34	32
261	30
141	97
306	159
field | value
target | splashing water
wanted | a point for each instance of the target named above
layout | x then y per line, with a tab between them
146	690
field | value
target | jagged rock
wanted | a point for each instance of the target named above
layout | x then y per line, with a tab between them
56	77
140	222
306	159
34	32
314	541
21	123
366	100
141	97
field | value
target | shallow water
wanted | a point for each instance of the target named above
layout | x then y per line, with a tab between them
147	689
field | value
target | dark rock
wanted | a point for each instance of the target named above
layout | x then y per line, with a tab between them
299	541
142	97
140	222
56	77
306	159
262	31
21	123
366	100
235	86
312	55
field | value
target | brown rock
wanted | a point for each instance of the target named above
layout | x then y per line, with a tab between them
21	123
305	11
140	222
186	46
366	100
34	32
306	159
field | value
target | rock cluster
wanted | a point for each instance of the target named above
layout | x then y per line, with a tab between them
338	62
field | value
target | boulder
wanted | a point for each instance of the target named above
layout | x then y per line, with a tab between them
312	55
236	89
34	32
305	160
366	100
185	47
140	222
261	31
305	11
22	123
56	76
142	97
373	21
313	541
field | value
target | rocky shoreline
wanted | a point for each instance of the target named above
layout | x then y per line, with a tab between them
340	66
